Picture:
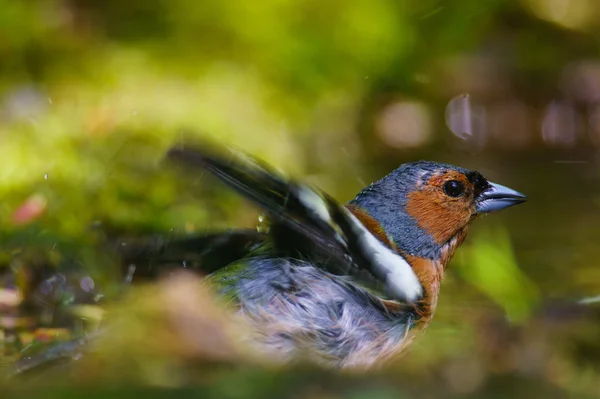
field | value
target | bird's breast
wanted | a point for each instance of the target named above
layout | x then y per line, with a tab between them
298	310
430	274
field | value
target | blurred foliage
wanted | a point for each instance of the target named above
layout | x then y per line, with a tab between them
490	265
92	93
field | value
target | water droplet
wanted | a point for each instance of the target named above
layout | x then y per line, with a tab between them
263	225
45	176
130	273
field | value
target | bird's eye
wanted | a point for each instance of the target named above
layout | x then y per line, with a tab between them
454	188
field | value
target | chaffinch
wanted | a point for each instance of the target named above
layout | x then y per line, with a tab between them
348	285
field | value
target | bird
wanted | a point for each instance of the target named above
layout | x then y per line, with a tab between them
342	285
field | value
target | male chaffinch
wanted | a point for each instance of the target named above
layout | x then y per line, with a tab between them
347	285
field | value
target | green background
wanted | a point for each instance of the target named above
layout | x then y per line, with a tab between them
337	93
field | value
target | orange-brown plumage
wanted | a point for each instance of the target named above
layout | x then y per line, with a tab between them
438	214
438	219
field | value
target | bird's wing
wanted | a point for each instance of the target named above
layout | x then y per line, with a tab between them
204	252
296	206
312	222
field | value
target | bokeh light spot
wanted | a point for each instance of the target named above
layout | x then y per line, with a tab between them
404	125
561	124
465	120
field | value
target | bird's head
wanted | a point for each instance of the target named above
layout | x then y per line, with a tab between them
423	206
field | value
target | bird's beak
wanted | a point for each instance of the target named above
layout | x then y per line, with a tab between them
498	197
